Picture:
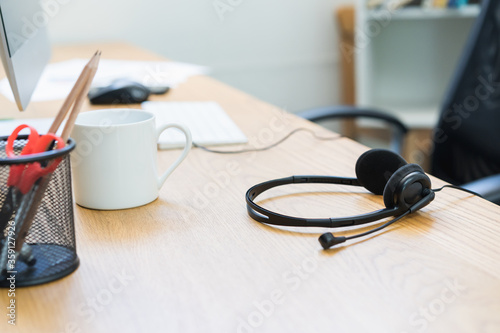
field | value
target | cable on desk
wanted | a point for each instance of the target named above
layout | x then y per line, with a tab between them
247	150
457	188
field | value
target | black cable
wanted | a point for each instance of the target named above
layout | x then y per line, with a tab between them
458	188
328	240
247	150
380	227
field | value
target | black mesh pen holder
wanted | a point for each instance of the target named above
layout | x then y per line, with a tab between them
49	251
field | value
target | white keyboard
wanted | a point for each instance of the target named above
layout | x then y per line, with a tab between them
208	122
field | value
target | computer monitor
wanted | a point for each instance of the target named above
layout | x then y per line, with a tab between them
24	46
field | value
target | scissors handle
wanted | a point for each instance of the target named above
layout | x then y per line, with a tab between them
35	171
28	147
16	171
23	176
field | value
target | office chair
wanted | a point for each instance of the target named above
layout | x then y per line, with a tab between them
466	140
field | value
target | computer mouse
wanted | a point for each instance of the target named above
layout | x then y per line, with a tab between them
121	91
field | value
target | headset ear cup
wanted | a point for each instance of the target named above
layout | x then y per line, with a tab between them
390	199
375	167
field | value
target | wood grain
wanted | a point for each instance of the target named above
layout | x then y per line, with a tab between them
193	261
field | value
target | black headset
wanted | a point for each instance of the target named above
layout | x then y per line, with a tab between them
405	189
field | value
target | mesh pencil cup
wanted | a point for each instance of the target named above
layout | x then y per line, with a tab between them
51	236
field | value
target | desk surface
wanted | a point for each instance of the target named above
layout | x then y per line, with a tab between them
193	261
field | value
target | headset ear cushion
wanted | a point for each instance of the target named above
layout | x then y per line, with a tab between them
394	181
375	167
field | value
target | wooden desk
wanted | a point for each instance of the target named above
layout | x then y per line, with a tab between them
193	261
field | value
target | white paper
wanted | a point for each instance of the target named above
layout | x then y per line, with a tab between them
42	125
58	78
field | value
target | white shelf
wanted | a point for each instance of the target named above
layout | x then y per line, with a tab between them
419	13
405	62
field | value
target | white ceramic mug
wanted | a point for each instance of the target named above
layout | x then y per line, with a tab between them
114	163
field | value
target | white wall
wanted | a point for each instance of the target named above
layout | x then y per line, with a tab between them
280	51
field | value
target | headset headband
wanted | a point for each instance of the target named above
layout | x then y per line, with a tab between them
263	215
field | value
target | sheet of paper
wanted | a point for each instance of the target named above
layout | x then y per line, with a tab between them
42	125
58	78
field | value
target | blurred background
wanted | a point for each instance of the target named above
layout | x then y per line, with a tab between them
393	55
282	52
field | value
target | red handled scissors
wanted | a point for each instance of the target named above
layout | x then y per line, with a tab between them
22	177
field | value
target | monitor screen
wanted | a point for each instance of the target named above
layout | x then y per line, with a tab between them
24	46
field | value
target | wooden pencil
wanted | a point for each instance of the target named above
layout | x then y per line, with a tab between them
75	98
75	91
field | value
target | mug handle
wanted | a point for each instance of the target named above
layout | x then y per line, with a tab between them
187	148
